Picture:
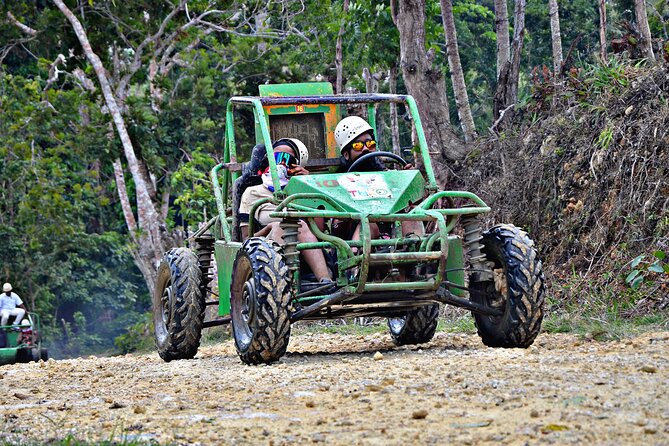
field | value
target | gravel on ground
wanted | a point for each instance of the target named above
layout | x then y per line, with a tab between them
353	389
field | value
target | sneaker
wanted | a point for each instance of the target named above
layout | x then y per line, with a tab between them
352	274
327	281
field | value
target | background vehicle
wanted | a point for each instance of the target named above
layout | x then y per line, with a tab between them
22	343
263	286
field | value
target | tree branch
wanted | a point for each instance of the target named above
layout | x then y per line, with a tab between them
24	28
492	129
125	200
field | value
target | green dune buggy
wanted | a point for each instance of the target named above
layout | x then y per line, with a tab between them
264	287
22	343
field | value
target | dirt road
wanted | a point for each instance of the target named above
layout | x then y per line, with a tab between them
337	389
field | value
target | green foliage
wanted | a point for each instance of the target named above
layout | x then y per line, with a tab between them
603	326
58	233
125	439
138	337
605	138
192	186
655	269
461	324
599	78
336	327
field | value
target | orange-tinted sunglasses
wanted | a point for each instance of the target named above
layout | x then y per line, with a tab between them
359	145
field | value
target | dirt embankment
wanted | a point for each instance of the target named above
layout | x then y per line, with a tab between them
584	169
336	389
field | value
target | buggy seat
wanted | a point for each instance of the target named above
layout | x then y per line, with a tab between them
249	177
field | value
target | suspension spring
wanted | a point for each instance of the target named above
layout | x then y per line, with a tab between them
290	252
473	246
204	248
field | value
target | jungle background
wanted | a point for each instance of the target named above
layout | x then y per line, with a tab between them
105	161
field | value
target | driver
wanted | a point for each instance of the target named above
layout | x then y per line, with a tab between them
10	305
355	138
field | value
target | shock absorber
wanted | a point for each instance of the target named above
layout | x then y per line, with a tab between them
290	227
473	246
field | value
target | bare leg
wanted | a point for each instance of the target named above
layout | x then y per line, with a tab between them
373	230
272	231
314	257
412	227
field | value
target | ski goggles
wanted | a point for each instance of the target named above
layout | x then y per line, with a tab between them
360	145
285	158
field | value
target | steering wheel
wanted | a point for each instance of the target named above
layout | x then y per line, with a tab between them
388	155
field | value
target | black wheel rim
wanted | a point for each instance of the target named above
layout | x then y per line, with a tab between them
243	304
494	299
397	324
163	316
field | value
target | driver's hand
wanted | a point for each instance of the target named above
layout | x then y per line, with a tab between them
408	167
297	170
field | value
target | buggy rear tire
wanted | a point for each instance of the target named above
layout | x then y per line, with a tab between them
39	353
260	297
178	305
518	293
416	327
24	355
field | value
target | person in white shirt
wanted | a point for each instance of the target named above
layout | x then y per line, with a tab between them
10	305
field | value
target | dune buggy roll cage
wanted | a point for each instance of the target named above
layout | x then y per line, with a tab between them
230	163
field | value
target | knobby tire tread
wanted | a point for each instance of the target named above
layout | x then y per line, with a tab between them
419	326
187	314
271	331
519	325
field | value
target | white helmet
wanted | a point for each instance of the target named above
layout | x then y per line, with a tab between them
6	288
301	151
350	128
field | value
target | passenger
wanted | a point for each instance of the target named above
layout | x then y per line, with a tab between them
10	305
291	155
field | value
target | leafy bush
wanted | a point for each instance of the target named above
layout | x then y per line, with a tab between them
139	336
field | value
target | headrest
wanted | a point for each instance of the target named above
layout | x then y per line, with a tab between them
258	161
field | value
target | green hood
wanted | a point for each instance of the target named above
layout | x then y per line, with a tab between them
384	192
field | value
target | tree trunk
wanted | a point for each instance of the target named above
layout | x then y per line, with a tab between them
372	86
457	76
149	246
502	31
261	27
394	123
339	53
646	43
556	38
602	31
506	94
426	84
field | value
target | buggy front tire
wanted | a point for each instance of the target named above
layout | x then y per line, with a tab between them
260	297
178	305
416	327
517	291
